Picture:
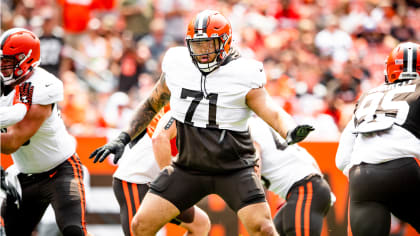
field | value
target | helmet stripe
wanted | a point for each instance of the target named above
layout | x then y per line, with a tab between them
414	60
410	60
405	59
201	22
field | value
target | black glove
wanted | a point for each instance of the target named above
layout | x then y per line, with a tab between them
11	192
298	134
116	147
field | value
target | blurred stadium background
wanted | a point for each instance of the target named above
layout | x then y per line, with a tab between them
318	55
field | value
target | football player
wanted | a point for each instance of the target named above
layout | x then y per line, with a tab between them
41	148
379	149
289	171
136	169
212	92
293	174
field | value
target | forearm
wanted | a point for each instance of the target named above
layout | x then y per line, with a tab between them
141	119
162	151
12	114
165	131
9	145
283	122
262	104
149	108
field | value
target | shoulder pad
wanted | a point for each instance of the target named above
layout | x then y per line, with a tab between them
48	89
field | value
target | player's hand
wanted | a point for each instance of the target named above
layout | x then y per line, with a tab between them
23	94
11	193
26	90
298	134
116	147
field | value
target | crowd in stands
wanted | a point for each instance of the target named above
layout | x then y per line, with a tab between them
319	55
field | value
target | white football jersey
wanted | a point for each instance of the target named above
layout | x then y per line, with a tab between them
217	100
138	164
394	143
385	126
51	144
282	165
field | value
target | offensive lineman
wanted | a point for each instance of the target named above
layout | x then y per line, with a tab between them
212	93
41	148
379	149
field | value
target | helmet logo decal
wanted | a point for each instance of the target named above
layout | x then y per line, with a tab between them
399	61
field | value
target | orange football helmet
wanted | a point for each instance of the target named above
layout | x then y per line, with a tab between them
209	25
403	63
22	47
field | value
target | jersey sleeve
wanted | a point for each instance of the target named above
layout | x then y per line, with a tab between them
251	74
11	115
345	148
48	92
169	62
258	77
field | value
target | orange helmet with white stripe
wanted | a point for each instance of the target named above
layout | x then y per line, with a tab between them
19	54
209	36
403	63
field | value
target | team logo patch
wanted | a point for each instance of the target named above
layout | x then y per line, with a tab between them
399	61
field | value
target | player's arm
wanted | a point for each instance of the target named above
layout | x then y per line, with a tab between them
263	105
149	108
143	115
22	131
11	115
345	148
257	166
161	140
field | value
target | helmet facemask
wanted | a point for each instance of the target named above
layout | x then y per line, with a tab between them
208	38
206	53
10	67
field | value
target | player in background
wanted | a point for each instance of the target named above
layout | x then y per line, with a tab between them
136	169
212	92
41	148
379	149
293	174
291	171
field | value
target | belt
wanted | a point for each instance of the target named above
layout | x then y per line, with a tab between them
48	173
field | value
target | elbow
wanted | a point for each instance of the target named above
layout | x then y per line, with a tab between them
9	146
341	163
8	150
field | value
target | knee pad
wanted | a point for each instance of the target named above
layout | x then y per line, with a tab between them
73	230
